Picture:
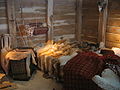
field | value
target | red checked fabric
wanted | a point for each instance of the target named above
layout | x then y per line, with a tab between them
80	69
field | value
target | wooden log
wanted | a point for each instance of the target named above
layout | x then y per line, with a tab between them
50	18
110	44
114	21
113	29
65	17
11	21
78	19
67	27
31	15
64	31
3	21
113	37
104	23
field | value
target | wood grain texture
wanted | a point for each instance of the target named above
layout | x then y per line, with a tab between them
50	7
64	17
113	37
3	17
79	13
89	39
112	44
113	29
113	26
31	11
90	17
11	22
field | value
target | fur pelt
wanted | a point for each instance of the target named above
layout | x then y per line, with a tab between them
108	81
64	59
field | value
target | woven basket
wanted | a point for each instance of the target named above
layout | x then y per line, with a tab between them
18	71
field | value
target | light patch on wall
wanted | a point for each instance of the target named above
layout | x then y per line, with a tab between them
32	9
3	18
63	23
60	24
59	21
70	14
3	26
1	8
31	18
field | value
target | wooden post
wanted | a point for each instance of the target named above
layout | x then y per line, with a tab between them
50	19
11	21
78	19
100	27
103	17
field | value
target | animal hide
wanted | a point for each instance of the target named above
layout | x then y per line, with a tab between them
108	81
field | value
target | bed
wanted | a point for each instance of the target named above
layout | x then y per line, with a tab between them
79	71
53	56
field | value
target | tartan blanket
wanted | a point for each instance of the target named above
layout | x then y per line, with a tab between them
79	70
113	62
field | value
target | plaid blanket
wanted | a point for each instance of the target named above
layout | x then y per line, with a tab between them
80	69
113	62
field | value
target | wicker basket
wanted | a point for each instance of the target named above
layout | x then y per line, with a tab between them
18	71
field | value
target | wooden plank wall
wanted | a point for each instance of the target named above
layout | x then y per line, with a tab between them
64	19
3	22
90	21
3	17
31	11
113	26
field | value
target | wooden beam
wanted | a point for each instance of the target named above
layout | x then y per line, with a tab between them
78	19
103	23
50	18
100	24
105	18
11	21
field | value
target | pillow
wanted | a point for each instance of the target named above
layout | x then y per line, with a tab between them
116	51
108	81
64	59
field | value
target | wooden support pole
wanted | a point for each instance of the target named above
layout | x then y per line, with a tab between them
100	27
103	17
78	19
50	18
11	21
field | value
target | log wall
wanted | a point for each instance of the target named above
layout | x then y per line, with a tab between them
90	21
30	11
113	25
3	17
64	19
35	11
